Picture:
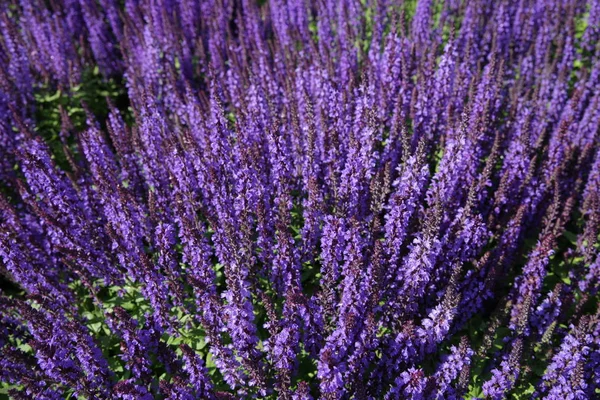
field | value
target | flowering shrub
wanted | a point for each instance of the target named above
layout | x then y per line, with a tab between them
299	199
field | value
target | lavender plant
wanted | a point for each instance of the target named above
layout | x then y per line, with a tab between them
298	199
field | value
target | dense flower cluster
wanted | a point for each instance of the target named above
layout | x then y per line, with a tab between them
302	199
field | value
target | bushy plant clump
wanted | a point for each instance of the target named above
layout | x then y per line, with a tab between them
298	199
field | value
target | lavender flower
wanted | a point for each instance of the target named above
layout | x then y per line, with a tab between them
299	199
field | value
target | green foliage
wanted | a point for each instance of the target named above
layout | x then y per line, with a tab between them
93	92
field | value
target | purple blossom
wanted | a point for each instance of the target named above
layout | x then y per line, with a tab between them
299	199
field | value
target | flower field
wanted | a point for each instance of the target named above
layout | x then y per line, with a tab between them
299	199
